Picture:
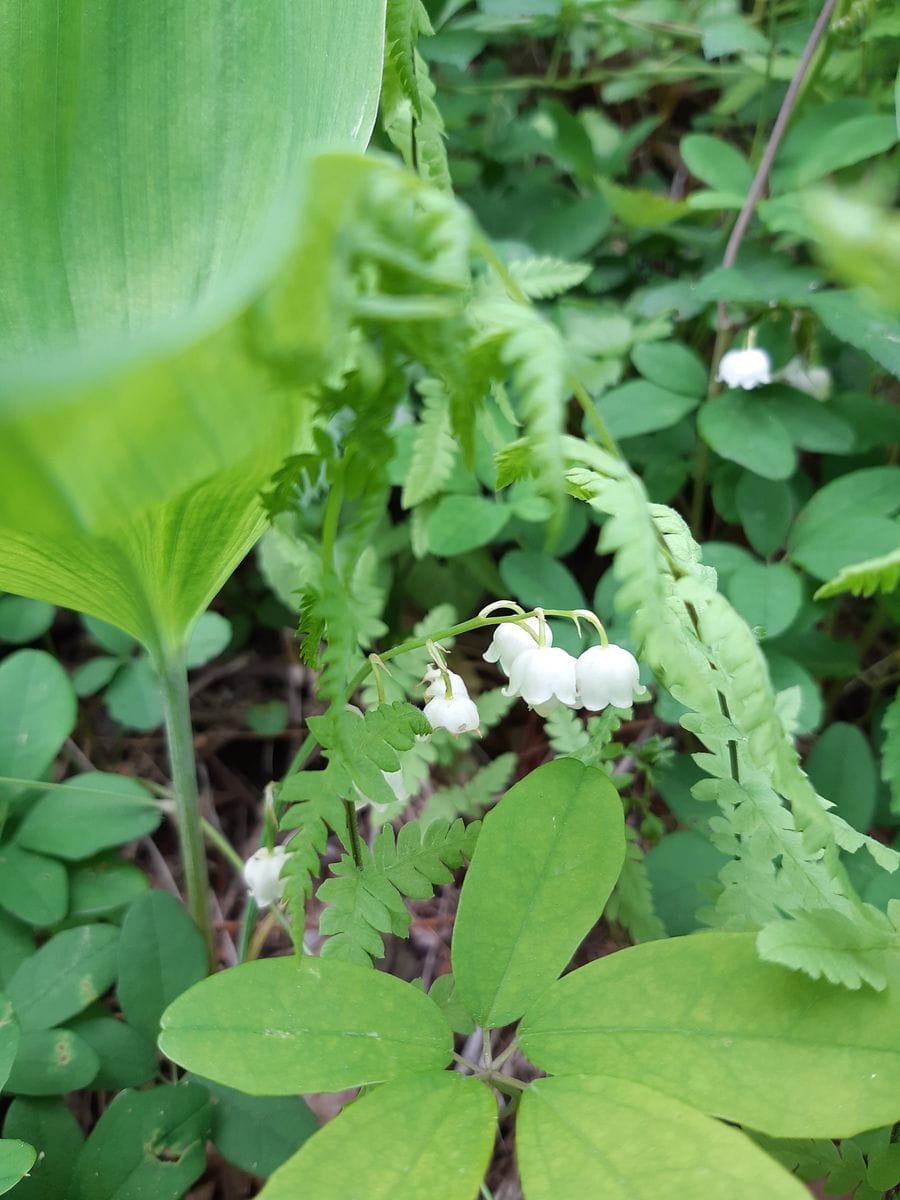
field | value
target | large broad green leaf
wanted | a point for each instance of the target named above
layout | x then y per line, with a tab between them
258	1133
15	1159
546	861
702	1019
443	1131
278	1027
596	1135
146	1144
152	184
87	813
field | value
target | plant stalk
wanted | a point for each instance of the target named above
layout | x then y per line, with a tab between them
183	767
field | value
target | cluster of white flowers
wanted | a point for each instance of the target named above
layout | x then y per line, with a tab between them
545	676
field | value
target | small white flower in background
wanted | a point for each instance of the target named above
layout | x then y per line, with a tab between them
261	875
607	675
511	639
815	381
544	677
456	713
394	780
745	369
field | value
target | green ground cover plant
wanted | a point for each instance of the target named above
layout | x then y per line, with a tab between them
544	354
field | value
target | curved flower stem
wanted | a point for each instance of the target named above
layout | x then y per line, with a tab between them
180	738
223	845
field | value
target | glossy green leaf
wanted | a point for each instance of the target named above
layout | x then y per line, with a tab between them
277	1027
103	885
830	137
147	1146
461	523
767	595
95	674
601	1136
765	508
681	869
37	713
165	224
15	1159
127	1057
67	974
546	861
448	1126
89	812
847	520
740	428
209	637
671	365
702	1019
639	407
33	888
843	770
811	424
16	944
258	1133
49	1126
161	955
9	1038
134	697
51	1062
851	318
23	620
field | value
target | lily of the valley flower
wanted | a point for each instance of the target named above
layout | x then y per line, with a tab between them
394	780
511	639
815	381
262	872
607	675
544	676
745	369
454	712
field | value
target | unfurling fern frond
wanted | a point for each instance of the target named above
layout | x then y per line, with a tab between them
404	21
364	903
410	116
434	450
783	841
864	578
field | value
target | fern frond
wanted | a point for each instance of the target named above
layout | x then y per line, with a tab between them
365	903
470	799
864	578
404	21
631	903
434	449
543	278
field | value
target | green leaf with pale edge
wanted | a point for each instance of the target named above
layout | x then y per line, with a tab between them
68	973
444	1130
154	233
89	812
147	1144
600	1136
15	1159
9	1038
278	1027
49	1126
546	861
703	1020
161	954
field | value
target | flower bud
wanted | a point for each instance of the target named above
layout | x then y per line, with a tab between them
456	713
511	639
607	675
262	872
745	369
542	674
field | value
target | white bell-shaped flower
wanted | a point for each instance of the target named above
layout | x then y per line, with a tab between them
543	674
511	639
262	872
456	713
745	369
607	675
395	781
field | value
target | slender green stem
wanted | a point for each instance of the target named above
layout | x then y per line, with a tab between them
223	845
180	738
353	831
